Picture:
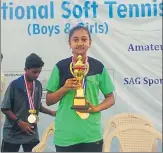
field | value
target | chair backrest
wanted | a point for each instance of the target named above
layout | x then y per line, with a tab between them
48	132
133	138
125	119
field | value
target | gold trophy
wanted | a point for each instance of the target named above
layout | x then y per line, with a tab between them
79	71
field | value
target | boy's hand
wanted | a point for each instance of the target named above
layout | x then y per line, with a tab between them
26	127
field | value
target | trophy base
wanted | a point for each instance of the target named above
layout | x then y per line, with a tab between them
80	104
78	107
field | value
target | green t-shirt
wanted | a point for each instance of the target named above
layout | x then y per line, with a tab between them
69	127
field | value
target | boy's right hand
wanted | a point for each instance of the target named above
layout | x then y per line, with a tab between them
71	83
26	127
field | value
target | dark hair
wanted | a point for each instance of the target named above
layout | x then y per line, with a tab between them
78	27
33	61
1	56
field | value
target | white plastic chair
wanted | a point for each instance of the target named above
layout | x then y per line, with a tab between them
133	138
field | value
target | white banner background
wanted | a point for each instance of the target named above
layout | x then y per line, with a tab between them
112	48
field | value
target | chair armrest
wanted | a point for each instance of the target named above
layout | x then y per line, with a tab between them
48	132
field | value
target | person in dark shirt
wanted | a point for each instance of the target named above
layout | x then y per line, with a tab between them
21	105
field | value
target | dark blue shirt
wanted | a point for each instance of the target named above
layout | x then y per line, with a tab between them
16	100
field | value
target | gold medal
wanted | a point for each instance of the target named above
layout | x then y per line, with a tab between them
33	118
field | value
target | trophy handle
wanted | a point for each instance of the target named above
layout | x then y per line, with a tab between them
71	69
87	68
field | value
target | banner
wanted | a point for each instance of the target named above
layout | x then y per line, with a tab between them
126	38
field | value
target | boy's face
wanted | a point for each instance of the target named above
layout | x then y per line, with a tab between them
33	73
80	42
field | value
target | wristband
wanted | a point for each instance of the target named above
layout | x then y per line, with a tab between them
17	120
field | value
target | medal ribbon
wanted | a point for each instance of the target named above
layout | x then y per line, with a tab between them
30	97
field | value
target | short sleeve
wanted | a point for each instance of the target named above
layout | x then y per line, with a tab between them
53	82
8	98
106	84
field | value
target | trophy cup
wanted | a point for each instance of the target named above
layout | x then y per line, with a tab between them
79	71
